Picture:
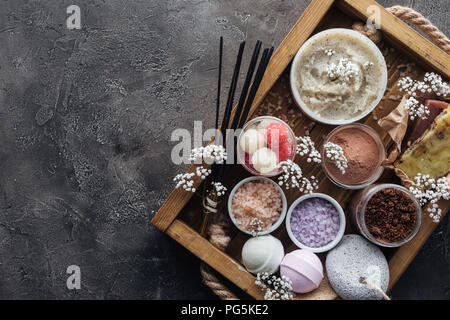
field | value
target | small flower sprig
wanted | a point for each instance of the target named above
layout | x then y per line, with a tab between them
368	65
435	212
256	226
186	181
276	288
209	154
202	172
212	153
430	190
306	147
219	188
329	52
439	87
292	178
416	109
345	70
335	154
432	83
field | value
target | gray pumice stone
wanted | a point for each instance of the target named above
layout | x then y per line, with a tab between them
353	258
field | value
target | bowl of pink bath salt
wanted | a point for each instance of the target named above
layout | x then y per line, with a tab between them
315	222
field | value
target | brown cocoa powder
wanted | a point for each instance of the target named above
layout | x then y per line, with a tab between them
390	215
362	153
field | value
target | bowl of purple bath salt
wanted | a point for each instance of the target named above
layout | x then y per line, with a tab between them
315	222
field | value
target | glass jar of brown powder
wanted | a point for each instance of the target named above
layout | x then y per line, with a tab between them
386	214
364	151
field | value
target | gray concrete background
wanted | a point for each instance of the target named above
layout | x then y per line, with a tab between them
86	117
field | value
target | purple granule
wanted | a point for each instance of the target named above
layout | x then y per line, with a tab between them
315	222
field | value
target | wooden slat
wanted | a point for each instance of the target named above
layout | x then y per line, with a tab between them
215	258
401	35
406	253
280	59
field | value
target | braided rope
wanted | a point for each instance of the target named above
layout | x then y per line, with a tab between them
218	236
215	284
423	24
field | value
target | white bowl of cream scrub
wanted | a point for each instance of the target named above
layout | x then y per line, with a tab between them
338	76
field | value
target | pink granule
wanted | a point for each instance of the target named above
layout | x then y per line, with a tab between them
256	199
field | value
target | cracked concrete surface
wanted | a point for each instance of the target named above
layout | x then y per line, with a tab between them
86	116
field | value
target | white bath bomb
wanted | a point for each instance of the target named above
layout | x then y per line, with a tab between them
356	258
251	140
262	254
264	160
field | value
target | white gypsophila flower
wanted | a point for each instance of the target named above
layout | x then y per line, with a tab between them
202	172
412	87
438	86
219	188
306	147
345	70
432	83
256	226
292	178
335	154
185	181
430	190
276	288
329	52
368	64
435	212
210	154
416	109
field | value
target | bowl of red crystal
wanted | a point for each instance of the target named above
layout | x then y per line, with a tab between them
315	222
263	143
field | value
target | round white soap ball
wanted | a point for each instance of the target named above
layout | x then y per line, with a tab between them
264	160
251	140
355	258
262	254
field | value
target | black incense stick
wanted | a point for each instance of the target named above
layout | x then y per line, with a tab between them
251	96
248	80
226	116
230	100
219	83
258	77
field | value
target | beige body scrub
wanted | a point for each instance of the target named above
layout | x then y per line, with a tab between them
338	76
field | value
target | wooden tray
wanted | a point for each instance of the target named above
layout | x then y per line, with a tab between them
180	215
